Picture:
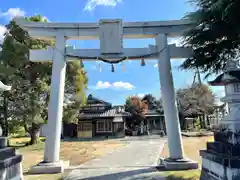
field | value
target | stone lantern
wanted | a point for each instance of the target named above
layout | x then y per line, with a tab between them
3	140
10	161
221	159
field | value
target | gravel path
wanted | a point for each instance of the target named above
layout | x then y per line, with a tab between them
135	161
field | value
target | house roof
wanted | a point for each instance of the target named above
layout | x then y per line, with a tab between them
93	100
149	113
108	113
225	78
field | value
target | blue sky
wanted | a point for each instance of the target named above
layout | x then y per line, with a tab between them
135	80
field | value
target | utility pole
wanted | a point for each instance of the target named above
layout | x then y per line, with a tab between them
197	78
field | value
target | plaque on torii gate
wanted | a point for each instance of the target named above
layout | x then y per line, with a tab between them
111	34
111	37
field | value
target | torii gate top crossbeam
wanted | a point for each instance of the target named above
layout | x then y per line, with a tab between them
90	30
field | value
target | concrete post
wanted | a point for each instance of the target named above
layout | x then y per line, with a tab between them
55	108
169	101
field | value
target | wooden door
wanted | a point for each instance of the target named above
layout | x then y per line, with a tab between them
85	130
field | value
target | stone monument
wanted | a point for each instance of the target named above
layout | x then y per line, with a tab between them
10	162
221	159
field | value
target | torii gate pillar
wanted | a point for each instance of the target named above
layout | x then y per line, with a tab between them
55	109
176	155
169	101
51	163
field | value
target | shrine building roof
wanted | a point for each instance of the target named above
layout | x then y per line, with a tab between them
226	78
114	112
97	108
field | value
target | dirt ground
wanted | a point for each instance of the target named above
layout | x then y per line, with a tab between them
77	152
191	146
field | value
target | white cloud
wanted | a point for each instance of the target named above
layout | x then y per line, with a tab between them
103	85
156	65
123	85
2	31
92	4
12	12
115	85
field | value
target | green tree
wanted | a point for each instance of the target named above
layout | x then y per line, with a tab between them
216	35
153	103
76	86
30	81
195	101
150	100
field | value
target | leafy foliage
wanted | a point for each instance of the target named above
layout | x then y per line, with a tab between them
196	100
153	103
76	84
215	38
30	81
136	107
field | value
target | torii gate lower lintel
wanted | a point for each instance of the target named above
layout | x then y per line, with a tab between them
111	34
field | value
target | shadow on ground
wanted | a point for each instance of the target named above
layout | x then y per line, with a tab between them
137	174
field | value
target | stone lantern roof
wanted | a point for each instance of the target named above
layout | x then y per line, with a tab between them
230	75
4	87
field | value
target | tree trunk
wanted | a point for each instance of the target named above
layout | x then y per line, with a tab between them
34	134
34	138
182	121
203	122
208	121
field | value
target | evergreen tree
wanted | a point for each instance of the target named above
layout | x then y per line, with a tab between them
215	38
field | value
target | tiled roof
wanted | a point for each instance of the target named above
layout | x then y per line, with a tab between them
230	76
94	100
152	113
109	113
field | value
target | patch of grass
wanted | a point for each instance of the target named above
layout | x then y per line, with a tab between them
183	175
191	146
77	152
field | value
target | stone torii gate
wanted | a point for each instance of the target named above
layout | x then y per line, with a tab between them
111	34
